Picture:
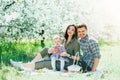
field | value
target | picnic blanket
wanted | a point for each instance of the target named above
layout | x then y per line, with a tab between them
46	71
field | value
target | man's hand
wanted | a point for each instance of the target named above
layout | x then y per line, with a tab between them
96	62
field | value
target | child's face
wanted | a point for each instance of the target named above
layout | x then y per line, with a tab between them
57	42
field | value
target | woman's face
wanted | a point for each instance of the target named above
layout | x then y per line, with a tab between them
71	31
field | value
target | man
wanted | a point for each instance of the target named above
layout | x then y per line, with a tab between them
89	46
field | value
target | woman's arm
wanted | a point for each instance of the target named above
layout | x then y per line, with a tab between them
65	54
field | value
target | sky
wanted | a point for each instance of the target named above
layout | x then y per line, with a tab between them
110	9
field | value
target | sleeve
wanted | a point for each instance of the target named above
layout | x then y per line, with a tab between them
50	50
94	48
63	49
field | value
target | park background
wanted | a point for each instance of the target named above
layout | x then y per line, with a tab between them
27	26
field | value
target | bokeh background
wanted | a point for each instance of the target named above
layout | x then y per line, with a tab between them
33	19
27	26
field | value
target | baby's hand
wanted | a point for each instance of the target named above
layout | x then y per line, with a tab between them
54	50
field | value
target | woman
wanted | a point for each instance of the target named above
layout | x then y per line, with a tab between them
71	46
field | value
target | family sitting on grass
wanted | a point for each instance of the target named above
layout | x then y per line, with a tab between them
62	56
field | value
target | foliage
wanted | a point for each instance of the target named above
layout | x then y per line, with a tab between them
22	51
40	19
0	55
108	43
20	19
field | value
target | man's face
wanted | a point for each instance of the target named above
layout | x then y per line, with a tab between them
82	32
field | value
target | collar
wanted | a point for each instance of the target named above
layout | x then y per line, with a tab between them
85	39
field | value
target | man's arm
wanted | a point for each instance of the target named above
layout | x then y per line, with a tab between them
96	53
95	65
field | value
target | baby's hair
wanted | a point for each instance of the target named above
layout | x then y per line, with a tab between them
57	37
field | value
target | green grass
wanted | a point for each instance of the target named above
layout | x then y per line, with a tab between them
109	62
106	43
110	59
24	51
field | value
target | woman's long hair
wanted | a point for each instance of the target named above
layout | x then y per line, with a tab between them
75	33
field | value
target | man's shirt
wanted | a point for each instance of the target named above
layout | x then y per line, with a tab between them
90	50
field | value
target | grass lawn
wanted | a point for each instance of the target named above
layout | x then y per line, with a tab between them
109	62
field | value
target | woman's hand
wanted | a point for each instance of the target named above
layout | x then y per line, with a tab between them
64	54
75	58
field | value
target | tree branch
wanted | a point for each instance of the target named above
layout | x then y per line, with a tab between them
8	5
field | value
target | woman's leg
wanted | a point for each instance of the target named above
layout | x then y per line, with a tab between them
23	66
37	58
31	65
28	66
43	64
40	55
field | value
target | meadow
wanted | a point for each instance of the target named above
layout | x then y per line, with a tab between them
109	63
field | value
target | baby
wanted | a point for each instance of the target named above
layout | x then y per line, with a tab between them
56	50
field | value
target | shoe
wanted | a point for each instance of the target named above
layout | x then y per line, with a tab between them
16	64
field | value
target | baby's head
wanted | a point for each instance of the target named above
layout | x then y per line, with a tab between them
57	40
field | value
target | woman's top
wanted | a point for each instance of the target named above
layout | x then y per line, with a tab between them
72	48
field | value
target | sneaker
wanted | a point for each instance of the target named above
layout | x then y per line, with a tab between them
16	64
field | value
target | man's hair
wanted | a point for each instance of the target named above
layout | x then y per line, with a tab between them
81	26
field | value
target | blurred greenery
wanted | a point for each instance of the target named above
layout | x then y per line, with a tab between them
22	51
0	55
108	43
27	26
